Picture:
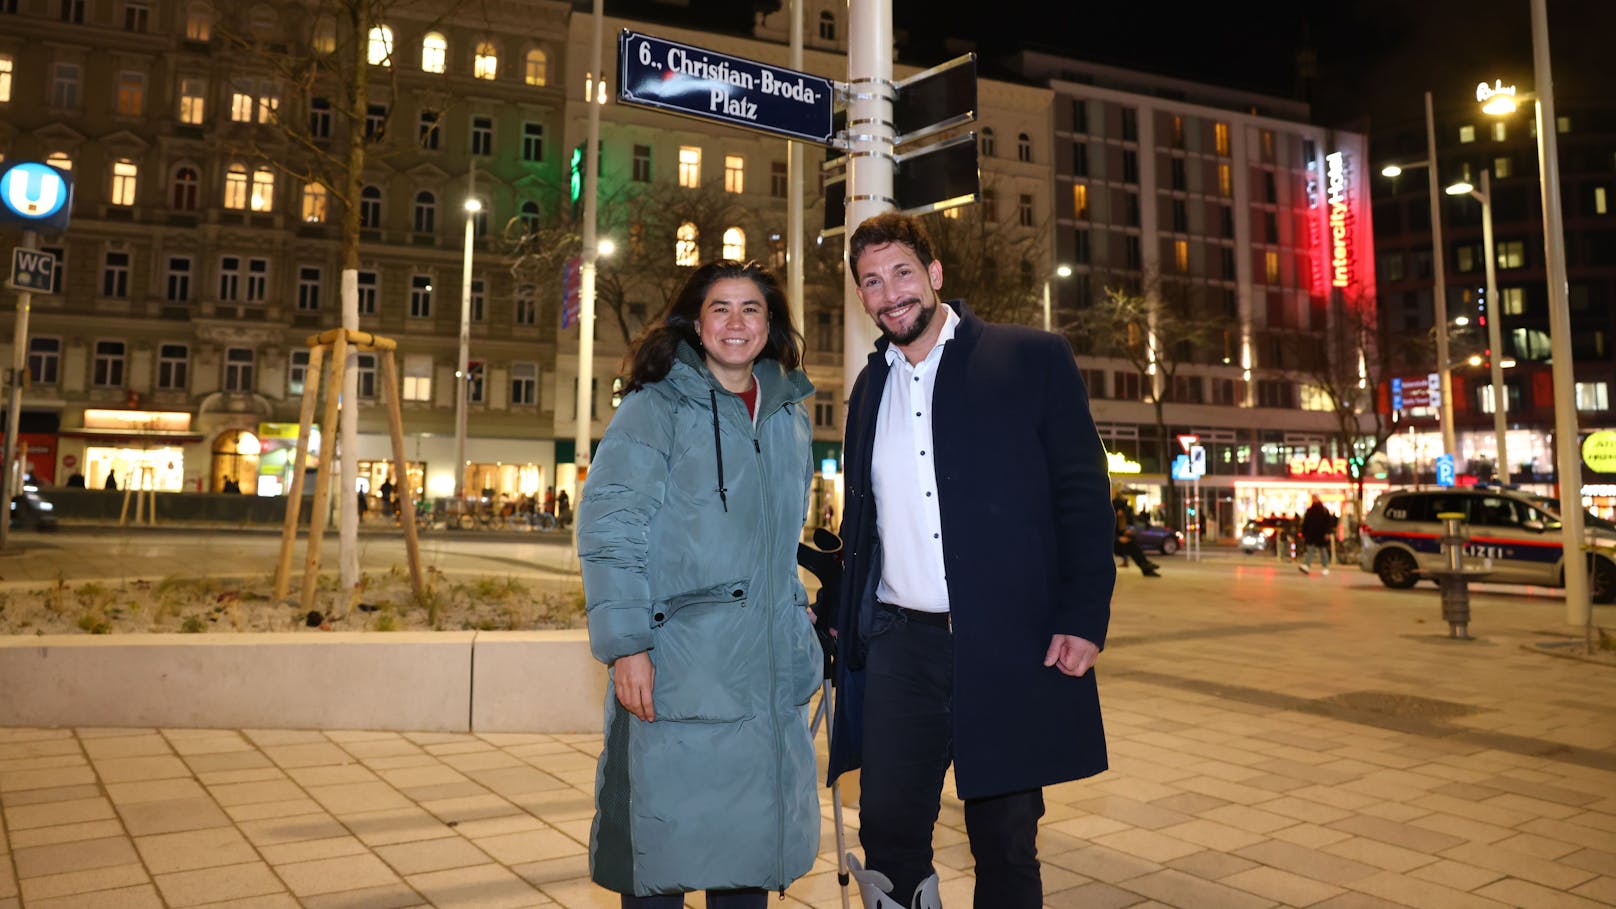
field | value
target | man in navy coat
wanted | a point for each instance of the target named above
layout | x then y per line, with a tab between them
978	577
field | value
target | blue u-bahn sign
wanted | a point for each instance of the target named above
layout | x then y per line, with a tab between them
36	196
683	79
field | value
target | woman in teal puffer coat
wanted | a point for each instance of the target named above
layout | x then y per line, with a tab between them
687	532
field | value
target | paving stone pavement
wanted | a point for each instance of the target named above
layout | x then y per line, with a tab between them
1276	740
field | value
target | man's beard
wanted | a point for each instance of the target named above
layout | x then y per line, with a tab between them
916	328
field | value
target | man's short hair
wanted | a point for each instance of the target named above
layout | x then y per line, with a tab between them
890	227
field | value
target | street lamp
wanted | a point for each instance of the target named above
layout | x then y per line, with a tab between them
1494	340
1568	468
462	363
1061	271
1439	290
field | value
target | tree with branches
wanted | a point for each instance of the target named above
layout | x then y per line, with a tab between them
1157	331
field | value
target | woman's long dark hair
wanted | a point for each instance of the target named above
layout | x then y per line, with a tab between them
652	354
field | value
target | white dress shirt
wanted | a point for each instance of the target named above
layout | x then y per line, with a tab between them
903	475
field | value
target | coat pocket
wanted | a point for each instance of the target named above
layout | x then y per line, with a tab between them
702	653
807	656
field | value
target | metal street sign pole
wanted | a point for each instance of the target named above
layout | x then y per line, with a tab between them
9	487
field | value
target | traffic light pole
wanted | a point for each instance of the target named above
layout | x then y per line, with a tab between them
10	478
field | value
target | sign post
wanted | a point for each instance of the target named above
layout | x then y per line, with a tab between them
38	197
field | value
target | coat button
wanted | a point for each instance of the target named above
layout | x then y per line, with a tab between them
737	593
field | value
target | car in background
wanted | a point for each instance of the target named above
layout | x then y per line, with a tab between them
32	511
1514	537
1154	537
1265	534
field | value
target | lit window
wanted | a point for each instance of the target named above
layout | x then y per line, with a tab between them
1271	266
131	94
684	247
486	63
241	103
1220	138
735	244
235	187
1593	396
1562	124
193	101
1511	254
734	174
186	188
124	177
1512	300
314	203
263	189
1181	255
198	22
1503	167
1500	131
434	53
538	68
1225	181
418	377
1600	206
689	166
380	49
325	34
1467	133
8	63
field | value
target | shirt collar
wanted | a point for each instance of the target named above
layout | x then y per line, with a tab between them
951	321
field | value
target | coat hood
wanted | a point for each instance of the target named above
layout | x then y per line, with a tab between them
776	387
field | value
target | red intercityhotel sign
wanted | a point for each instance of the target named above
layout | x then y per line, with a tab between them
1335	174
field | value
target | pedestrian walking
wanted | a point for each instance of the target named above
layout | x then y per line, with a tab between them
961	641
1127	545
687	533
112	481
1318	525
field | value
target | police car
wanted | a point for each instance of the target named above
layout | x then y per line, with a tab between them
1513	535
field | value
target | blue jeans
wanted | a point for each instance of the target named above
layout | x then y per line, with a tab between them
751	898
908	745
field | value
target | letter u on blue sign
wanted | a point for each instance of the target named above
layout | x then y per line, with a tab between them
35	194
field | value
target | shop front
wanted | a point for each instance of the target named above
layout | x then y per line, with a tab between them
1328	478
142	449
1599	473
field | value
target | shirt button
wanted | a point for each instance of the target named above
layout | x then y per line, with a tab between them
923	454
928	495
917	378
936	536
917	413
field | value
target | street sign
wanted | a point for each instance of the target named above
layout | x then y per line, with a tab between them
36	196
696	82
934	178
32	270
1188	440
1444	470
1433	385
1197	461
1181	468
934	100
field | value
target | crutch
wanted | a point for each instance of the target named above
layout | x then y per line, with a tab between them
823	561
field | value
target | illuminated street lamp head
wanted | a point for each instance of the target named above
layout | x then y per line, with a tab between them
1390	170
1475	360
1462	321
605	247
1459	189
474	205
1064	271
1497	99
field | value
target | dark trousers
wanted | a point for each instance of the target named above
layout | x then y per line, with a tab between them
716	899
908	745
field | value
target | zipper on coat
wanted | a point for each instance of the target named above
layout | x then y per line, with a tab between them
774	718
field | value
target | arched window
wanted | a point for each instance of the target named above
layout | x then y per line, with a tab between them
735	244
60	160
988	143
486	64
235	187
314	201
530	217
263	189
538	68
198	22
324	37
684	246
827	26
380	50
370	207
426	212
186	186
434	53
1023	147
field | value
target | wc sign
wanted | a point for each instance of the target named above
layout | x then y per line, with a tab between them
35	196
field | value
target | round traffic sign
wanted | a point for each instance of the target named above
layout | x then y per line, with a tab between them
33	191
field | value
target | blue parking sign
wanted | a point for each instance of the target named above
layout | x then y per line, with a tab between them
1444	470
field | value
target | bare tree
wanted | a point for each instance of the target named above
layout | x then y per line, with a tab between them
1343	368
995	267
1157	331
